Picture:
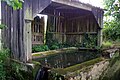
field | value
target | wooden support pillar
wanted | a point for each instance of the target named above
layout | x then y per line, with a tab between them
100	30
27	40
99	37
28	17
65	31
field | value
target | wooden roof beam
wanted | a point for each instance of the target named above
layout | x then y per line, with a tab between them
73	4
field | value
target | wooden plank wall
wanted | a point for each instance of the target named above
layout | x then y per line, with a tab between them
72	29
12	36
17	35
76	28
31	9
98	15
56	24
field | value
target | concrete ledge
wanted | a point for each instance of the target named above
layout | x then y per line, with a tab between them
52	52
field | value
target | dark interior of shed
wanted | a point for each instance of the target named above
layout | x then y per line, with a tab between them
70	24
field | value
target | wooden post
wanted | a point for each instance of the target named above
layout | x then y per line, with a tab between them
27	40
28	16
100	30
45	27
65	31
101	37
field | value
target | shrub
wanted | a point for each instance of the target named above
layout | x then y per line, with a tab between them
40	48
107	44
3	60
111	30
10	70
54	47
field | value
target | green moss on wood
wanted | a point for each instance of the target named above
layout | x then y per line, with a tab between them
78	66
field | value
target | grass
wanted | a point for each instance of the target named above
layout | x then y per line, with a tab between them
78	66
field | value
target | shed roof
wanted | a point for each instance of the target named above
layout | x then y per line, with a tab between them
75	8
76	4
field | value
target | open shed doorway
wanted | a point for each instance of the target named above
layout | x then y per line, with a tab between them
38	29
67	25
72	25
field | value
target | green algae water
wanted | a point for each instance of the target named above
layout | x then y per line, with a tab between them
66	59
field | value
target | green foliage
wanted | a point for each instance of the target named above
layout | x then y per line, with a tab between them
106	44
54	43
10	70
51	42
18	71
89	41
16	4
15	72
2	26
112	9
111	30
40	48
109	6
55	76
54	47
3	60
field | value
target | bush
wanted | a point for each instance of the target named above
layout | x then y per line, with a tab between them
17	72
111	30
9	69
3	61
51	42
39	48
107	44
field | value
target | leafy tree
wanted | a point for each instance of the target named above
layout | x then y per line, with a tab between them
111	29
16	4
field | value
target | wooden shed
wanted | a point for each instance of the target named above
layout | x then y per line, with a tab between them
68	20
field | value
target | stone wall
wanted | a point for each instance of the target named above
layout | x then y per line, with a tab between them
91	73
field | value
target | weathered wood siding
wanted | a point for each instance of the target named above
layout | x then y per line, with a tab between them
98	15
76	28
31	8
13	34
17	35
72	25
